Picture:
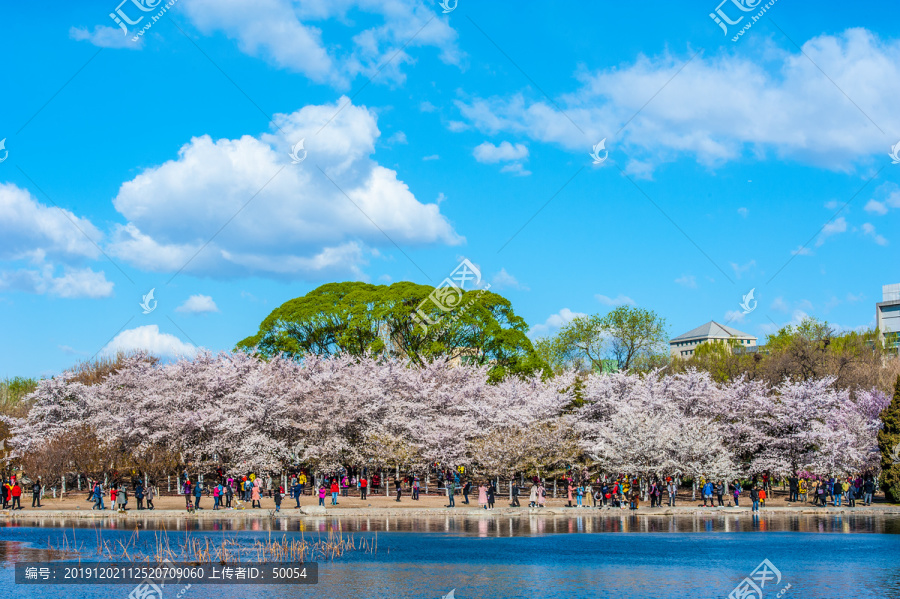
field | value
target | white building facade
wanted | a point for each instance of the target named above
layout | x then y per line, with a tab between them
683	346
887	318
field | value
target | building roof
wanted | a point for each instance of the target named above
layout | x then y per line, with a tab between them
712	330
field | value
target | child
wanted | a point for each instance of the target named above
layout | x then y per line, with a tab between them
737	493
277	498
322	495
762	497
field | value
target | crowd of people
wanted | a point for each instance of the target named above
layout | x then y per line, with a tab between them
836	490
578	488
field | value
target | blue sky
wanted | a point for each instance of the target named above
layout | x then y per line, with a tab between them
164	163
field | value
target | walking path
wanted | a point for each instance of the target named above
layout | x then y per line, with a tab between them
430	505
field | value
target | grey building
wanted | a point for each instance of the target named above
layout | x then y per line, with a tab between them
887	318
683	346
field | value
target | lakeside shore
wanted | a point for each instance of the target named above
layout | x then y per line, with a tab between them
167	507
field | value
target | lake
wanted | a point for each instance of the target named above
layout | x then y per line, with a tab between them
522	556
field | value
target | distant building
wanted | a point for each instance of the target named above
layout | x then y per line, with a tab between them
683	346
887	318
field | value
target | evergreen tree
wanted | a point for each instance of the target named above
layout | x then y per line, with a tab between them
889	444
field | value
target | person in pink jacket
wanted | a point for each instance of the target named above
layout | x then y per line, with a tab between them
254	496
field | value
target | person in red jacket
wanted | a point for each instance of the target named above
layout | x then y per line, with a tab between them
334	491
363	487
16	496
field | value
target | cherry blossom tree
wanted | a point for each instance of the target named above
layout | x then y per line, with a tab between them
247	413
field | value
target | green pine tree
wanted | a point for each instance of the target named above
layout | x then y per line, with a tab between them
889	444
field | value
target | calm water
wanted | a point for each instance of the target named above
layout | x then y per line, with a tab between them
545	557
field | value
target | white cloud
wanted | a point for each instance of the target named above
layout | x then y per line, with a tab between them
30	230
290	221
876	207
802	250
554	321
74	282
198	304
741	269
70	351
721	106
397	138
869	231
779	304
488	153
43	236
515	168
743	212
615	301
835	227
513	155
431	157
805	305
105	37
149	339
889	194
832	303
732	316
798	316
641	169
853	298
504	280
689	281
289	34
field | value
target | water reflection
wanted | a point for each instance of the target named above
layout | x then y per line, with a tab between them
527	524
